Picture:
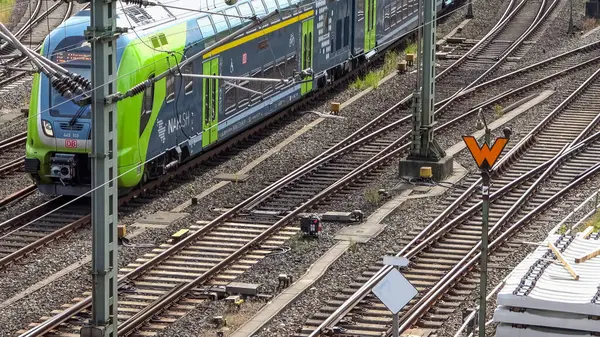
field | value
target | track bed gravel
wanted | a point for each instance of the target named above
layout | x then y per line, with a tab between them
295	261
411	215
66	251
497	274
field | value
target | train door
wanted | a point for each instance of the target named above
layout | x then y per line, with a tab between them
307	54
210	102
370	23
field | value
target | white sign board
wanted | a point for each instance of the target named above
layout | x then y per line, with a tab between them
399	261
395	291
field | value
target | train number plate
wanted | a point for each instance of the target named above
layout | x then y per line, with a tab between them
70	143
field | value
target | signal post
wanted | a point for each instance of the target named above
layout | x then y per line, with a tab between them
485	157
424	150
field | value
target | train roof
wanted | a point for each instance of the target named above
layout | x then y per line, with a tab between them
145	20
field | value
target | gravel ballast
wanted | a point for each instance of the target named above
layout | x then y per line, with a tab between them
61	254
292	156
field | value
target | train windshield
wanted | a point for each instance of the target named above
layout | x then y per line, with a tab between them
79	63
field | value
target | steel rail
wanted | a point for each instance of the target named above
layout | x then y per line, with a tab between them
586	48
13	138
537	20
8	259
11	166
36	10
525	88
486	39
18	195
12	143
499	167
130	325
59	318
452	277
49	324
10	224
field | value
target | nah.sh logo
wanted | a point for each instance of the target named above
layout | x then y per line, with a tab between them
71	143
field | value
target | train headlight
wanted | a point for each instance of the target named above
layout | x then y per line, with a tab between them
47	127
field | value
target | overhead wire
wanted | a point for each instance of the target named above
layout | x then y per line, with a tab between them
135	167
160	60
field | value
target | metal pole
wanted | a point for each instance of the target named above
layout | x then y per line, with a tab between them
470	10
428	86
571	19
396	325
485	192
415	148
101	35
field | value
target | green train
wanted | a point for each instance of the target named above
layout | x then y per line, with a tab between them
178	118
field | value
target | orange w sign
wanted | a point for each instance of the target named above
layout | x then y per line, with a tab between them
484	156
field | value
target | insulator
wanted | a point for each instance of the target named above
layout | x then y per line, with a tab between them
84	82
139	2
61	87
138	89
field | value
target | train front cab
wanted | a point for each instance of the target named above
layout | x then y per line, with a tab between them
59	131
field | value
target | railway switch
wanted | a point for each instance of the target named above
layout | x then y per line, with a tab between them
311	225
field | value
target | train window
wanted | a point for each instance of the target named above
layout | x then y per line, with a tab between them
269	72
220	25
233	19
189	81
326	22
271	5
287	12
255	85
207	30
280	71
346	31
386	17
243	96
170	88
291	65
230	99
147	101
361	10
259	7
338	34
245	9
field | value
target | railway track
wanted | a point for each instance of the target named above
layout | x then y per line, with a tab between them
542	167
176	291
32	31
11	158
520	21
227	246
389	123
